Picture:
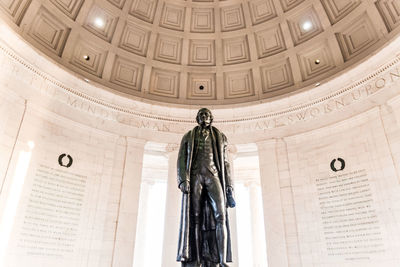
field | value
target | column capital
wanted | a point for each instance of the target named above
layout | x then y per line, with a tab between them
136	141
148	181
252	183
266	144
232	149
171	147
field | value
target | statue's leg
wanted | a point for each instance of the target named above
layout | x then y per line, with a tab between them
221	234
215	194
196	189
197	236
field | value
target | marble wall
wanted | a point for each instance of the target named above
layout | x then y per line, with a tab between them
12	111
64	215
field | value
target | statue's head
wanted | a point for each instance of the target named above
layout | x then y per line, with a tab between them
204	117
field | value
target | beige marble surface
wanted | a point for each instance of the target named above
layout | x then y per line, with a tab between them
354	116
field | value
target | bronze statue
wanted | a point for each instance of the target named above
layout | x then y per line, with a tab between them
204	179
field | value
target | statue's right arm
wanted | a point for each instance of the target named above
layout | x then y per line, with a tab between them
182	166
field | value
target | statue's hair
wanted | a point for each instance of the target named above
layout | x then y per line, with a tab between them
204	109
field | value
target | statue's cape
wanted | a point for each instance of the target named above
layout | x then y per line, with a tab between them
186	244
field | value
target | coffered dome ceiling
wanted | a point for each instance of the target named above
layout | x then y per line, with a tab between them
205	51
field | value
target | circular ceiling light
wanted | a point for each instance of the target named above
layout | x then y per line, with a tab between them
193	53
307	25
99	22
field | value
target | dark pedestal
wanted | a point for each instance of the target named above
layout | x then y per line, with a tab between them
194	264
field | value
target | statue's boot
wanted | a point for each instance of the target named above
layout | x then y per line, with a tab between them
222	243
197	240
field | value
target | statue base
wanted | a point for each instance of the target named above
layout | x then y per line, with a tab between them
203	264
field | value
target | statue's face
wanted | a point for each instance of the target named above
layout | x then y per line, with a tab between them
204	117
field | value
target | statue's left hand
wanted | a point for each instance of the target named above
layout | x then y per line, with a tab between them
230	201
185	187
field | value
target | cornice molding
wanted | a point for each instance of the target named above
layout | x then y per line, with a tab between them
284	114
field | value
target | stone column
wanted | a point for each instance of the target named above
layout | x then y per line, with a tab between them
124	244
172	210
272	206
257	225
391	126
141	241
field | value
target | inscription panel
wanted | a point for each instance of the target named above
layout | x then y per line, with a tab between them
52	216
350	222
339	182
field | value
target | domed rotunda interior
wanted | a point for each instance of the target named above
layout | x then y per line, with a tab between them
96	96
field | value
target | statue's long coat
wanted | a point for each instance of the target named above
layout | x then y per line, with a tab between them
185	156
